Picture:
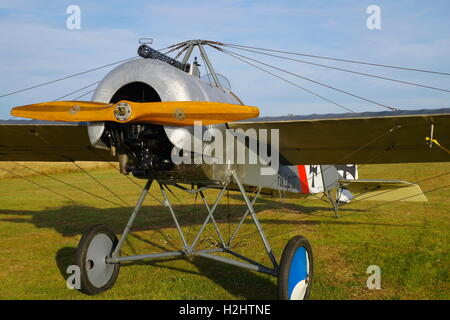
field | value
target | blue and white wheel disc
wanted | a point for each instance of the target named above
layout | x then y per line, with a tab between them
298	275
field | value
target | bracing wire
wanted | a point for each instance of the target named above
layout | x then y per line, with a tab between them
311	80
74	75
66	77
292	83
339	161
346	70
73	186
81	89
131	180
324	212
67	184
140	188
101	184
85	94
337	59
42	186
156	199
234	55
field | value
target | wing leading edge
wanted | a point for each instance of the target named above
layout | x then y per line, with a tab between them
371	137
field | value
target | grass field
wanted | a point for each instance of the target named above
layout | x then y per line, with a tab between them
410	242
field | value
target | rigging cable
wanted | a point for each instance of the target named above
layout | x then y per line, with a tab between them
67	184
290	82
325	212
42	186
74	75
128	177
311	80
339	161
70	93
342	60
346	70
85	94
66	77
166	236
100	183
156	199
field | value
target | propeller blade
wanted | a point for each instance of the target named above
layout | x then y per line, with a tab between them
173	113
65	111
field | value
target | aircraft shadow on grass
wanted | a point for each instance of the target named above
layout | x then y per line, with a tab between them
74	220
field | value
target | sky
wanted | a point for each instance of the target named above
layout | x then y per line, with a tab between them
37	46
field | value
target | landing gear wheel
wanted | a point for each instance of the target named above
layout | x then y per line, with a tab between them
295	274
95	246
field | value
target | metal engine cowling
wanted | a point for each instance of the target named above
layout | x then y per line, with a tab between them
144	149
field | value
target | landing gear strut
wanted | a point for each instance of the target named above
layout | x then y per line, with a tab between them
98	254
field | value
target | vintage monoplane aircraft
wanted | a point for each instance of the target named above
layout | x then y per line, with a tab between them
161	122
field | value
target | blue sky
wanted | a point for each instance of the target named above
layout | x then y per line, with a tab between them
37	47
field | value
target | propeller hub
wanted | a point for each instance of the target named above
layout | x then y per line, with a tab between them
122	111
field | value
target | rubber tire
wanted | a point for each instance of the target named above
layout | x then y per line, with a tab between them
285	263
86	286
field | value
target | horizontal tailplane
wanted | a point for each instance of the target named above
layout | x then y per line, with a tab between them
383	190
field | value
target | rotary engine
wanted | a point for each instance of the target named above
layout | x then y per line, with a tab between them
142	149
145	149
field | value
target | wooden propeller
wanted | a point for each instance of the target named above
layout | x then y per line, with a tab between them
173	113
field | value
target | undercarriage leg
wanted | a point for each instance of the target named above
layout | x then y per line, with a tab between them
132	218
255	219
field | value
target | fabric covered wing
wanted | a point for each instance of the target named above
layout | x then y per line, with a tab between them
41	141
372	137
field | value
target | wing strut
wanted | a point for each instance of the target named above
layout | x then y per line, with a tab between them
191	248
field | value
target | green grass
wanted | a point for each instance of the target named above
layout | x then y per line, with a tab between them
40	230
